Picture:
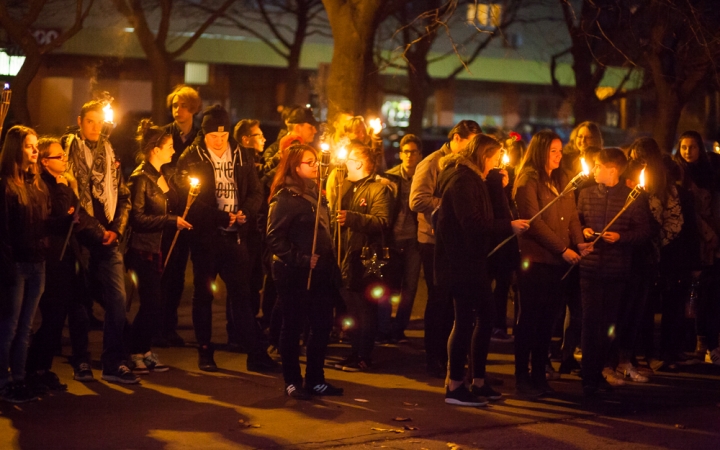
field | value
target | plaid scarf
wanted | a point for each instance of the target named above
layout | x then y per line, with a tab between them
96	174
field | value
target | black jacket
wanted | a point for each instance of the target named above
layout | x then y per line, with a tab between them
21	239
179	144
597	206
204	214
149	216
369	206
290	231
466	225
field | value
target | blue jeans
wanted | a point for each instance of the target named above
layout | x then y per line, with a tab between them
16	320
106	263
411	261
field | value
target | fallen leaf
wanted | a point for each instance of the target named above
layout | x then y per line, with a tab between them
361	400
402	419
255	426
378	429
391	430
409	428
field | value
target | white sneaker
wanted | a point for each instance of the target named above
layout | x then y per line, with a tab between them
628	371
713	356
612	378
138	363
152	362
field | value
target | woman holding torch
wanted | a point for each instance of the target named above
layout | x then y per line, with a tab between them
546	249
154	198
290	234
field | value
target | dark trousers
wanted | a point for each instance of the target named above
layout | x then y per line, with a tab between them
601	299
410	254
632	310
503	281
439	313
364	312
148	269
255	278
474	317
223	254
675	287
541	301
173	279
108	268
62	299
708	306
298	307
573	317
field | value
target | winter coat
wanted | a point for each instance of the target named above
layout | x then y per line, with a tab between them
557	229
596	207
150	215
508	256
425	195
290	232
22	239
204	214
466	225
368	203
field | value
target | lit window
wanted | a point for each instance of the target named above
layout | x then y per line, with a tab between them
485	14
10	65
196	73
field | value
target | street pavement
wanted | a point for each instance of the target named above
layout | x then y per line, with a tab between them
395	405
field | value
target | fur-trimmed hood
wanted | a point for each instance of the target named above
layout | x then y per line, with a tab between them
456	159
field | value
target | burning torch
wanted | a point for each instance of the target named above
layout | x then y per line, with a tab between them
323	167
192	195
340	171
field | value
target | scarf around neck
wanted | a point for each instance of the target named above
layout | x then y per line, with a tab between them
95	173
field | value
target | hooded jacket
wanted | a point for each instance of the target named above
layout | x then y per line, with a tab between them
424	193
466	225
204	214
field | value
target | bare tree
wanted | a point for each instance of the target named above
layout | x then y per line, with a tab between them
155	43
283	26
18	19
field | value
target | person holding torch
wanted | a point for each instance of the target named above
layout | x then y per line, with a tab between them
605	271
104	195
154	199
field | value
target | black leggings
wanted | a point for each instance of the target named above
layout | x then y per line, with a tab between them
149	317
474	317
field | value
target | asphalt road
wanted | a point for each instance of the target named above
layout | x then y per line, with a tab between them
394	406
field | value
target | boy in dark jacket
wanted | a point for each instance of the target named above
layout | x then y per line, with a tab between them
604	273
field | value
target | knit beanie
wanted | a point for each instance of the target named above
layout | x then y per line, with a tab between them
215	120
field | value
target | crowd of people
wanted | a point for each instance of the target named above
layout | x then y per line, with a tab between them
314	245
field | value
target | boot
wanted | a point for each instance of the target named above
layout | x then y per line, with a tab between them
206	362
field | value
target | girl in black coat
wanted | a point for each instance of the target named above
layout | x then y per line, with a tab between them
290	233
153	196
465	230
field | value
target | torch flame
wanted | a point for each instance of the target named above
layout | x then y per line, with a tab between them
7	86
376	126
108	113
505	159
642	179
325	147
194	182
585	168
342	154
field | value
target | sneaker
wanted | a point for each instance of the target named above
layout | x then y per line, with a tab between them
551	373
206	362
152	362
352	359
463	397
262	362
297	392
612	378
485	391
121	375
569	366
500	335
713	356
47	380
628	371
325	389
83	372
359	365
137	362
18	392
524	388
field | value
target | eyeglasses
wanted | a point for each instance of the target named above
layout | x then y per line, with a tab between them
311	163
410	152
62	157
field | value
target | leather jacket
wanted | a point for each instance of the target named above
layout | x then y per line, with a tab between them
149	216
204	213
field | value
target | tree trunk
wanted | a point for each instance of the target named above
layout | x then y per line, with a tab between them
668	109
20	85
292	75
353	25
160	76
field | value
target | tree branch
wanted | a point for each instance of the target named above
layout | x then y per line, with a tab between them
189	43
